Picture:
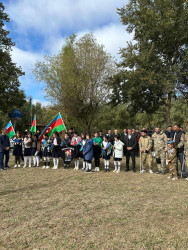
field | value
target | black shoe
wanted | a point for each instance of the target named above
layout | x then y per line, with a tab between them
163	173
108	170
126	170
105	170
88	171
134	171
159	172
2	169
7	167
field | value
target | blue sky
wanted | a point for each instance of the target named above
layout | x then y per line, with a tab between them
39	27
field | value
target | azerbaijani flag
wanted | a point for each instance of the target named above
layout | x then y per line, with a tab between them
33	126
10	130
29	104
56	124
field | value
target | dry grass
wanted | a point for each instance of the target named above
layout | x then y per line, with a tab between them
66	209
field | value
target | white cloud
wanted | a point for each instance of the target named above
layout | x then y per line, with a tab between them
46	16
44	103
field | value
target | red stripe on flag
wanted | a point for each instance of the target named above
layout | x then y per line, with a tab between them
56	123
33	124
9	129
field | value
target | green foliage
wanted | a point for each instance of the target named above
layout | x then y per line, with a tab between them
10	94
77	78
155	64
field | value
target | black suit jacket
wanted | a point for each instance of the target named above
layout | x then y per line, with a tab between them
130	143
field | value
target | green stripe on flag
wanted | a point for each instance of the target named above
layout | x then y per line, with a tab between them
11	134
58	129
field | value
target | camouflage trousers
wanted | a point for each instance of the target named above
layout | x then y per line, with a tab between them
146	160
160	156
172	169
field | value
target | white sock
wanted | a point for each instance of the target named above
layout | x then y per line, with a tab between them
115	165
84	164
119	165
57	162
37	160
34	160
25	160
44	158
54	161
89	166
29	160
107	164
77	163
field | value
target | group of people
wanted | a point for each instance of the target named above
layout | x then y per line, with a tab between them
168	148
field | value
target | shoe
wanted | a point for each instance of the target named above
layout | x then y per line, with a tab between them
143	171
169	177
83	169
30	166
108	170
77	168
126	170
158	172
15	166
95	169
54	167
114	170
134	171
163	173
98	169
150	171
24	166
89	171
7	167
47	167
2	169
105	170
19	166
174	178
118	171
74	168
34	166
43	167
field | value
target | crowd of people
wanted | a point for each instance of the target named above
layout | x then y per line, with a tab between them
169	149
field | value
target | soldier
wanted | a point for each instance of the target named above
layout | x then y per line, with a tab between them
160	148
145	145
184	139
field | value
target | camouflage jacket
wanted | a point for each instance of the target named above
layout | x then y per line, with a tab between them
160	141
145	143
184	141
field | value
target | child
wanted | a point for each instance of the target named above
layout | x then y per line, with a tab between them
118	153
46	144
27	149
106	152
55	149
83	142
76	143
65	144
172	160
97	141
17	152
88	153
35	150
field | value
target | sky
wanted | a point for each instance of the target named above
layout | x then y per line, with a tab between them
39	28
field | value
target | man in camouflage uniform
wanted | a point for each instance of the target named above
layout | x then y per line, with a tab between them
184	140
145	145
160	148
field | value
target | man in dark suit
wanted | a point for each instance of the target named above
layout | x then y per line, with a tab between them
4	149
123	135
130	144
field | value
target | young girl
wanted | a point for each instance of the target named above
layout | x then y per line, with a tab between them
35	150
88	153
83	142
106	152
55	149
46	144
27	149
97	141
17	152
76	143
172	160
118	153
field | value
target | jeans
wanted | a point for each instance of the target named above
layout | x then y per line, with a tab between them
2	154
180	157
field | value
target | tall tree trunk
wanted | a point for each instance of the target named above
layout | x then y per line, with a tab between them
167	111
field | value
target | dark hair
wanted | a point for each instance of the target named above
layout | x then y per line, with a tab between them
67	133
117	136
70	128
36	135
45	134
88	135
29	133
56	133
169	126
106	136
75	133
178	125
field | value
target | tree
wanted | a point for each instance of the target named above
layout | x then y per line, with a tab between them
155	64
10	94
77	78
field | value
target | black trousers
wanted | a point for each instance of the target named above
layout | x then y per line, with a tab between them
97	162
130	153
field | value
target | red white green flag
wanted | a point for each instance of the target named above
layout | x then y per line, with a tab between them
33	126
10	130
56	124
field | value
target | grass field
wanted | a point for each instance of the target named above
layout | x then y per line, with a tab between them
66	209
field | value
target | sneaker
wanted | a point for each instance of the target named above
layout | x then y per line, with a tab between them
88	171
169	177
151	171
43	167
77	168
34	166
114	170
30	166
143	171
24	166
105	170
47	167
83	169
2	169
174	178
98	169
54	167
19	166
74	168
118	171
158	172
15	166
95	169
163	173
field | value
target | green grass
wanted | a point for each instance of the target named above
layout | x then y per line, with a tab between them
66	209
